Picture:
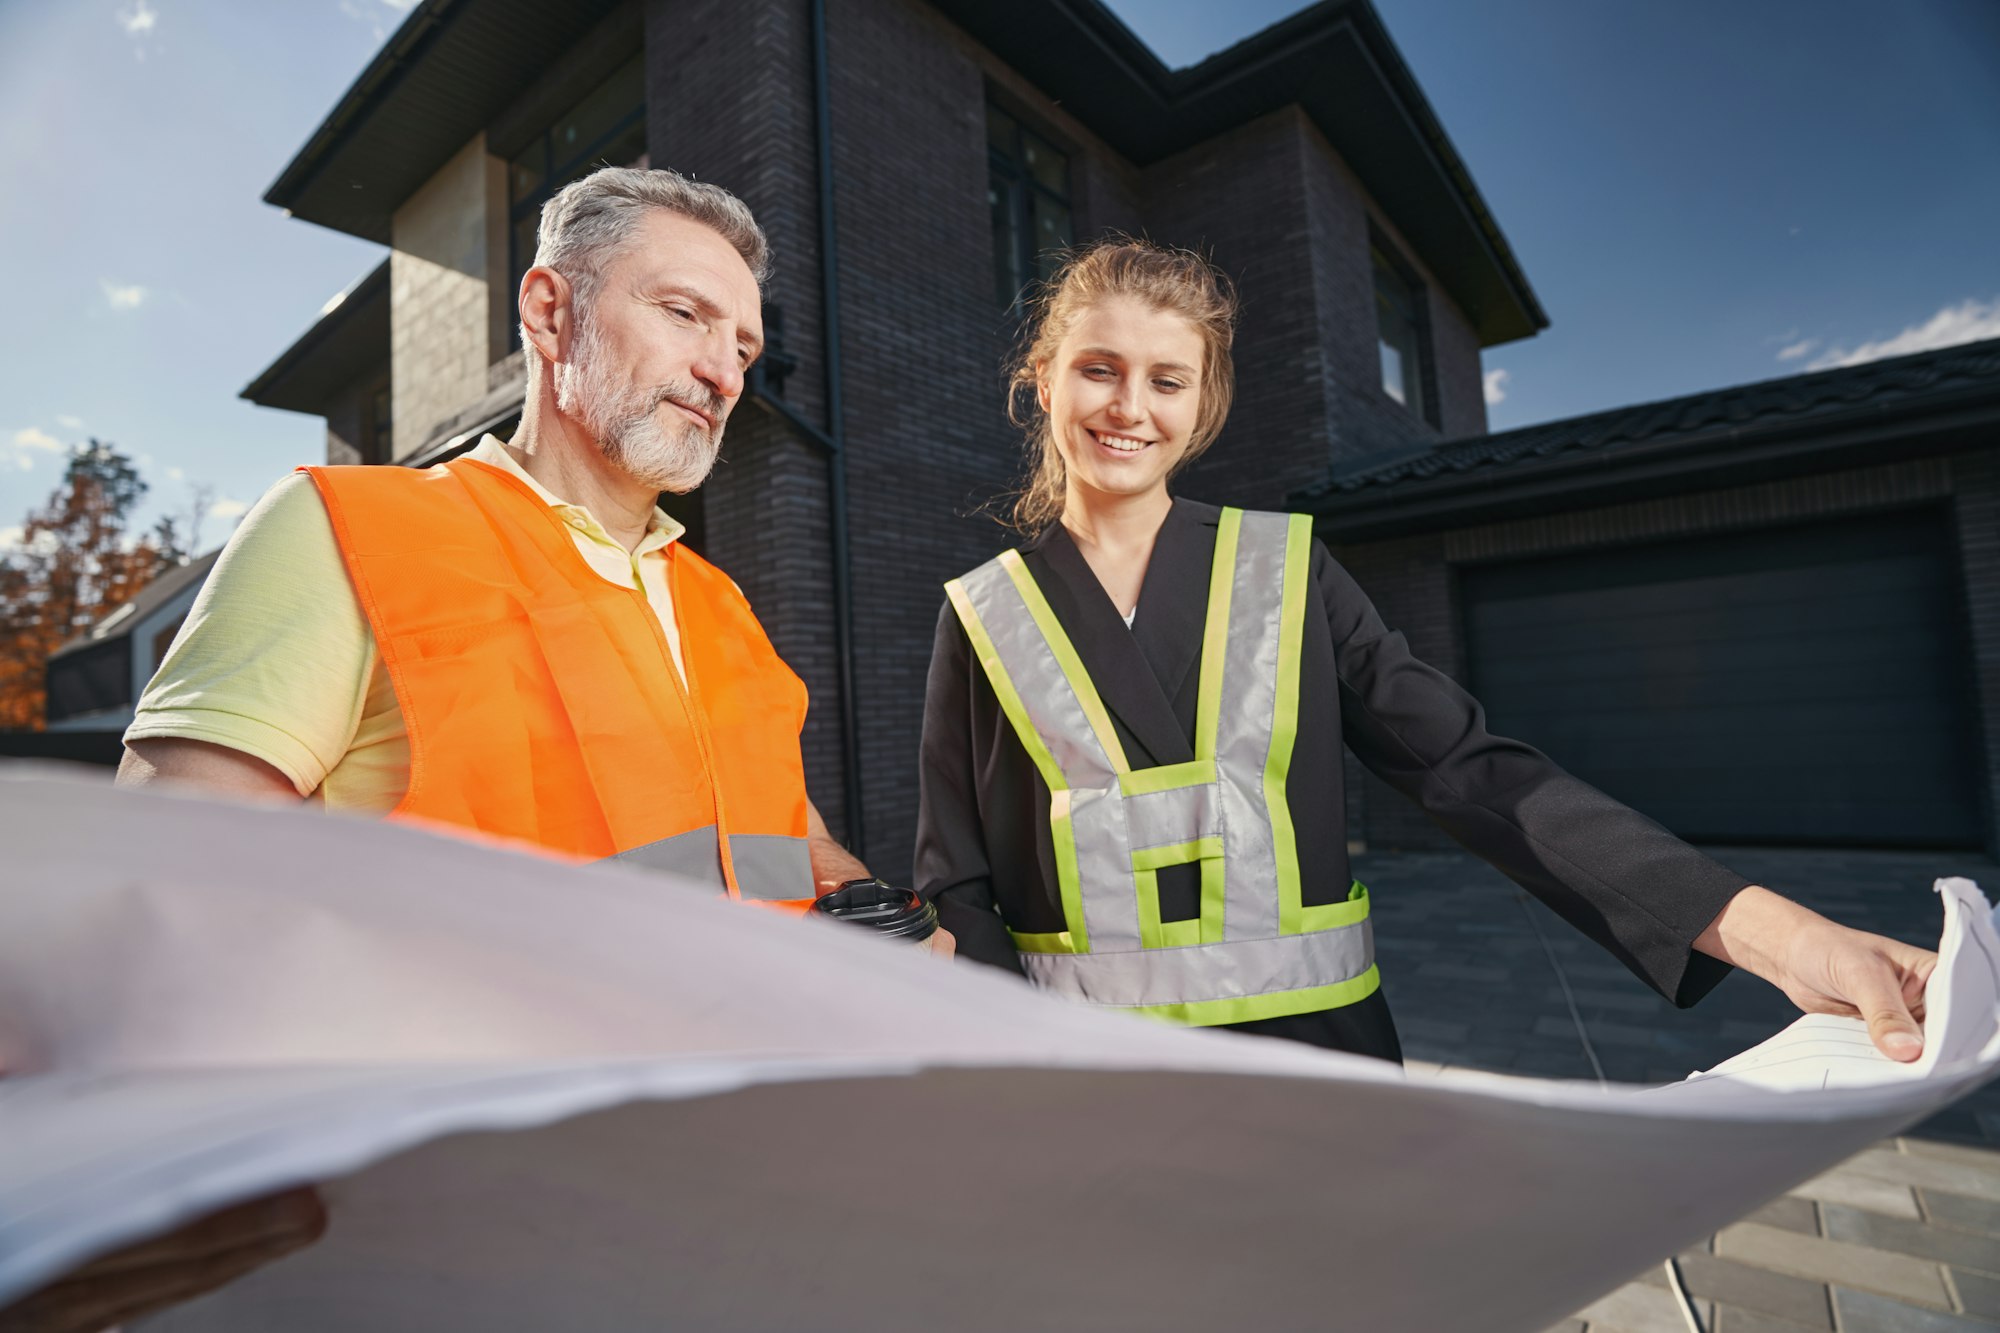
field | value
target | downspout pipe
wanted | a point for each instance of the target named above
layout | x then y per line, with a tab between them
836	436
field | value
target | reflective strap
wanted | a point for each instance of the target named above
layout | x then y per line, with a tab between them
1285	724
1061	831
1273	1004
771	867
1201	975
1066	657
691	855
1245	635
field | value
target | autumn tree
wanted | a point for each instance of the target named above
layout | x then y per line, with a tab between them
75	562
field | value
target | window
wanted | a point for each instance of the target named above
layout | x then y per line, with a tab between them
1399	335
1027	188
607	128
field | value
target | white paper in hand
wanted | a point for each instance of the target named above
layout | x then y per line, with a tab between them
542	1097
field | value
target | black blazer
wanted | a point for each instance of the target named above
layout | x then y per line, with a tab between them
984	854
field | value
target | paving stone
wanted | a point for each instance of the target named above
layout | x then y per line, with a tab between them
1843	1186
1430	1029
1566	1326
1832	1261
1946	1209
1978	1295
1987	1159
1879	1314
1929	1173
1729	1319
1790	1213
1800	1300
1639	1308
1958	1248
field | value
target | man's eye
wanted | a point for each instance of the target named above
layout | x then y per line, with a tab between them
680	312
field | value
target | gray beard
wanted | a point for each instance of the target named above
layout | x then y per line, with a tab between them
625	420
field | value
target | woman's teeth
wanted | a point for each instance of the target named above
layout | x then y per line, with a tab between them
1123	444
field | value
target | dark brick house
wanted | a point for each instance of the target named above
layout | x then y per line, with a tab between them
912	162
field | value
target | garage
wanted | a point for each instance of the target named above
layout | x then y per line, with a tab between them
1793	685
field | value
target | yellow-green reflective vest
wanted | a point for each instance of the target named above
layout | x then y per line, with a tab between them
1255	951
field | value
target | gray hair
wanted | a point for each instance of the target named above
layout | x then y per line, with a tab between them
584	223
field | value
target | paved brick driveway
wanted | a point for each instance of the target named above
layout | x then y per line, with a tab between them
1904	1238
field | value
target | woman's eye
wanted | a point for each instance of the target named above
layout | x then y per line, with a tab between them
1098	372
1171	386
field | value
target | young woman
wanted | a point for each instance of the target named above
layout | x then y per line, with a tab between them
1131	781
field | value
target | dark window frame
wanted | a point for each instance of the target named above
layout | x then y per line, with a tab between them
1419	359
556	173
1014	189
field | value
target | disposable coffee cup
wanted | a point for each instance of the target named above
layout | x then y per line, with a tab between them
893	913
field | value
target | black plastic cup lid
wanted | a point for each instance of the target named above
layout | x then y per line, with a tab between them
882	908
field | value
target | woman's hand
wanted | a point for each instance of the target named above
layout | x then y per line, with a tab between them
1826	968
164	1271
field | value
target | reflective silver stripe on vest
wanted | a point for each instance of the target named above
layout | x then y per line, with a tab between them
691	855
1238	970
1243	733
769	867
1252	957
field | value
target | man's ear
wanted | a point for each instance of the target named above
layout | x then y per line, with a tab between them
546	312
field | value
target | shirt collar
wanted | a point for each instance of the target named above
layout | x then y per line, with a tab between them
661	527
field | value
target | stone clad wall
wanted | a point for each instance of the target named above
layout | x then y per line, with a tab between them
443	273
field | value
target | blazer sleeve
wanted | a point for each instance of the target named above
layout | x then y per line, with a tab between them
1614	874
950	864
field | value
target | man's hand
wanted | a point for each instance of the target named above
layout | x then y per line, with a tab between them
187	1263
1826	968
941	945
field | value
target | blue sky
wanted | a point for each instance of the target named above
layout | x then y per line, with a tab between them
1702	194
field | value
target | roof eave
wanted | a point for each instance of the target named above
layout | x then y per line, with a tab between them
1708	460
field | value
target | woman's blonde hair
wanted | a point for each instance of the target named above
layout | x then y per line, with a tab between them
1162	277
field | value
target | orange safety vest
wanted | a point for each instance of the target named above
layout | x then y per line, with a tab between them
541	701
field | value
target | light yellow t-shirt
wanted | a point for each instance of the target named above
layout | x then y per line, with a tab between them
276	659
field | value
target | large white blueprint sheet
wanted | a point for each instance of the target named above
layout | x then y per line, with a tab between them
545	1097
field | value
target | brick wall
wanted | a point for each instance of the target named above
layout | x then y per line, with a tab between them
442	276
1412	580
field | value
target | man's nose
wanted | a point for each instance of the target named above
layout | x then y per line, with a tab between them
721	370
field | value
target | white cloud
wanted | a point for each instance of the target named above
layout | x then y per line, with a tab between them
1968	321
175	474
69	422
34	437
122	298
10	537
1793	351
139	19
1496	386
227	509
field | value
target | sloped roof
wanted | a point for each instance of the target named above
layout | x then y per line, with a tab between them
148	600
1927	402
455	65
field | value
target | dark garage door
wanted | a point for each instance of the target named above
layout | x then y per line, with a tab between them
1802	685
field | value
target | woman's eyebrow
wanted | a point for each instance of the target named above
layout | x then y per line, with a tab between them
1110	355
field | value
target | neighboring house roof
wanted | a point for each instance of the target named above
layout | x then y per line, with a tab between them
349	339
456	65
1929	402
148	600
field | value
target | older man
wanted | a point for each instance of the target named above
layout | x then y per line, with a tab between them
514	644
